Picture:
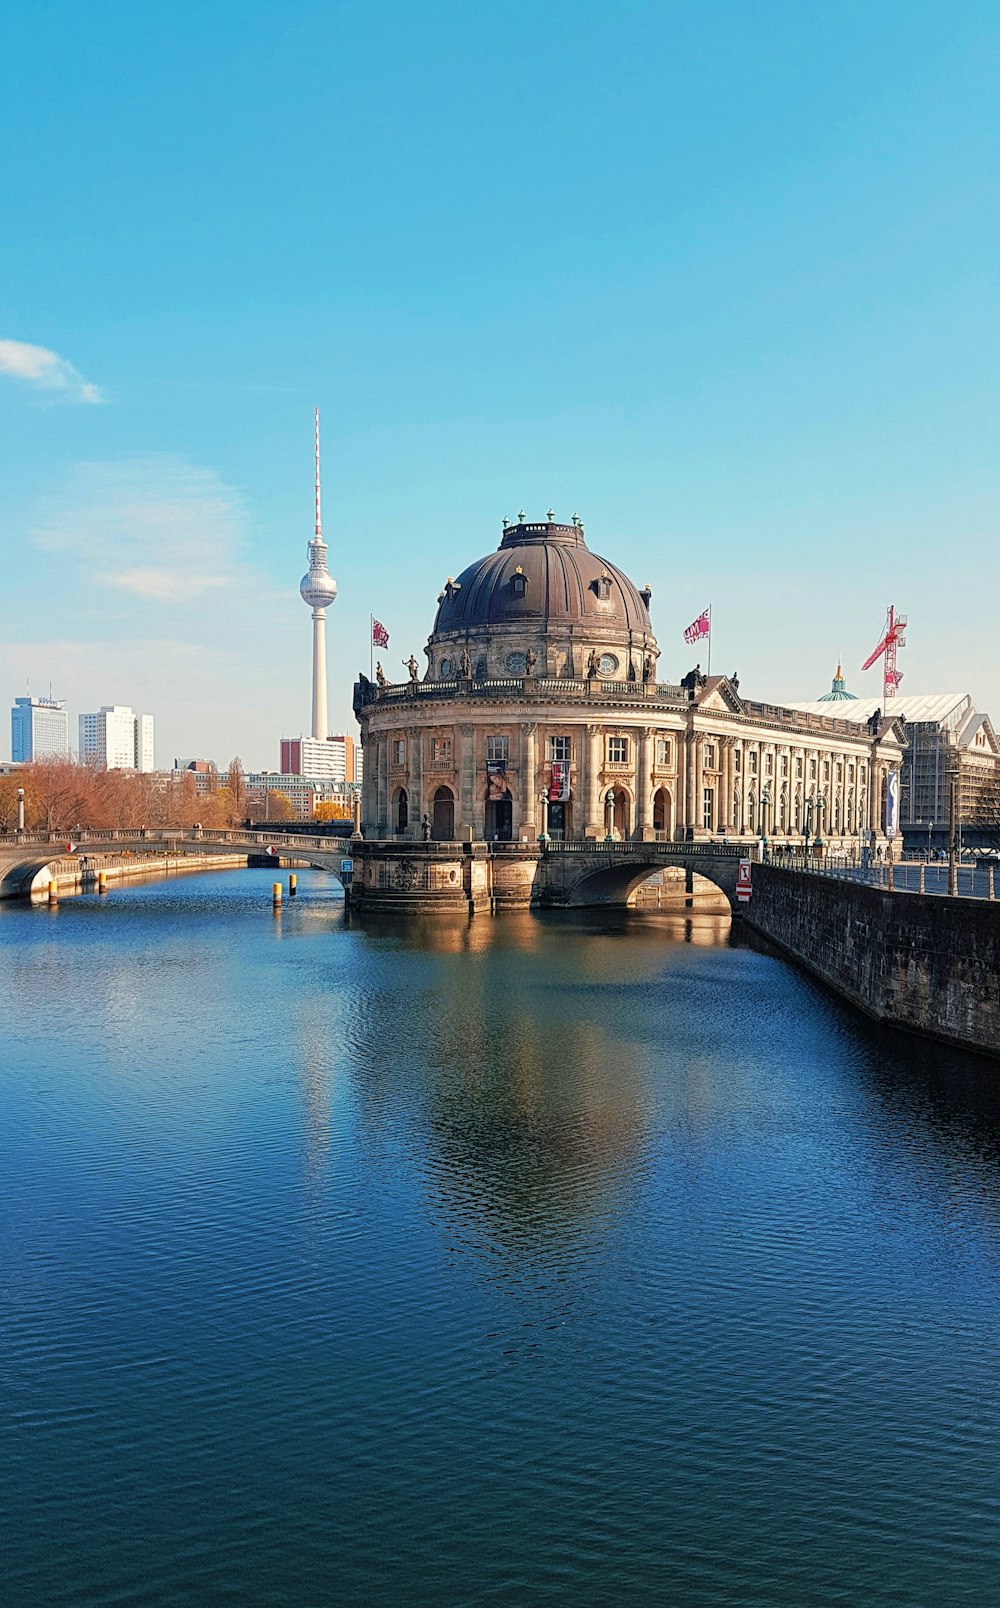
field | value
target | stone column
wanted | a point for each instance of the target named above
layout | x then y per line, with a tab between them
724	802
690	745
382	788
697	749
368	756
466	824
594	825
644	788
415	779
529	779
874	794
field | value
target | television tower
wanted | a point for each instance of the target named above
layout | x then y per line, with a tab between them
318	589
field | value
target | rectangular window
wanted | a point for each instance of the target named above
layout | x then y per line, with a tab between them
708	809
812	770
440	750
559	749
826	770
737	759
753	762
496	750
617	750
663	750
709	756
784	764
798	766
769	764
399	751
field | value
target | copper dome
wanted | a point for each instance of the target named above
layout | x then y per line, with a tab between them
543	575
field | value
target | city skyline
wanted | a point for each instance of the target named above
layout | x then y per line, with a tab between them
720	294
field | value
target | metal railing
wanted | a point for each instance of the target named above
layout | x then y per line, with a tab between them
926	877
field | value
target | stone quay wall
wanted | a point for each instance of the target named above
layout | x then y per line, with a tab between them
926	963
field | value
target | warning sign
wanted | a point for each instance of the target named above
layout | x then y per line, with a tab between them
743	888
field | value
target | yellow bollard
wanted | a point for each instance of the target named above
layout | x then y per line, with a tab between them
102	882
53	894
293	885
276	895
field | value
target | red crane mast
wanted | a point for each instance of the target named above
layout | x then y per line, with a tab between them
892	638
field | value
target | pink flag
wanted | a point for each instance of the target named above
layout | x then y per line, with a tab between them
701	627
380	635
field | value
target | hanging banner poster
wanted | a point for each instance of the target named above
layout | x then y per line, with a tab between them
559	781
892	804
496	779
743	883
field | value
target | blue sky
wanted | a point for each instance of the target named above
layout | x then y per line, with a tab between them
722	278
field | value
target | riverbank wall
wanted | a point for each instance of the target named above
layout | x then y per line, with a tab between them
926	963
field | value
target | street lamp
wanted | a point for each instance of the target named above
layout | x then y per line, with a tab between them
20	809
765	800
609	815
543	799
806	821
820	807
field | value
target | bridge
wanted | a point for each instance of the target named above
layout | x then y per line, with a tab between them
26	856
394	874
390	873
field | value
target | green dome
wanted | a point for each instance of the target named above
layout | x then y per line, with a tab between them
838	692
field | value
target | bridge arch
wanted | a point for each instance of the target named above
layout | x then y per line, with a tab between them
17	881
608	875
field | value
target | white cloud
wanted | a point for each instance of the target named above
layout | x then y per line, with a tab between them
156	527
47	370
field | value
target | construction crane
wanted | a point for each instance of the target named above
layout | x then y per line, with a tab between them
892	638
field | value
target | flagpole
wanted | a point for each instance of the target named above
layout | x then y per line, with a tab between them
371	647
710	639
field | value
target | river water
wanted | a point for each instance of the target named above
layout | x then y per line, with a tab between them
578	1260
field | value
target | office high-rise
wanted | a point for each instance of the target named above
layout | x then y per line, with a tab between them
39	729
115	738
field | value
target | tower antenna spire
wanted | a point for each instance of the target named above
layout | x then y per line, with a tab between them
318	589
319	510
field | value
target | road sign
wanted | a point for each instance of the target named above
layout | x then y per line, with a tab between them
347	866
743	888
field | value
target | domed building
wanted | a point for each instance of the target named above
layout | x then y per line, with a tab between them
541	713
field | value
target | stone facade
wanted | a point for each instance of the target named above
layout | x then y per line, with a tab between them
540	713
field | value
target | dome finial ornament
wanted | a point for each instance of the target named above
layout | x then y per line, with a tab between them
550	516
506	521
521	516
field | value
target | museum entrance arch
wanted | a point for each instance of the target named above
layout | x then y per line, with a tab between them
499	825
663	814
617	813
560	818
443	816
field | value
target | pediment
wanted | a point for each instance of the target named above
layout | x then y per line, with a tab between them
719	693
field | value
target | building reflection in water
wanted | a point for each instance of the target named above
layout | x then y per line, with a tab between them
520	1081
